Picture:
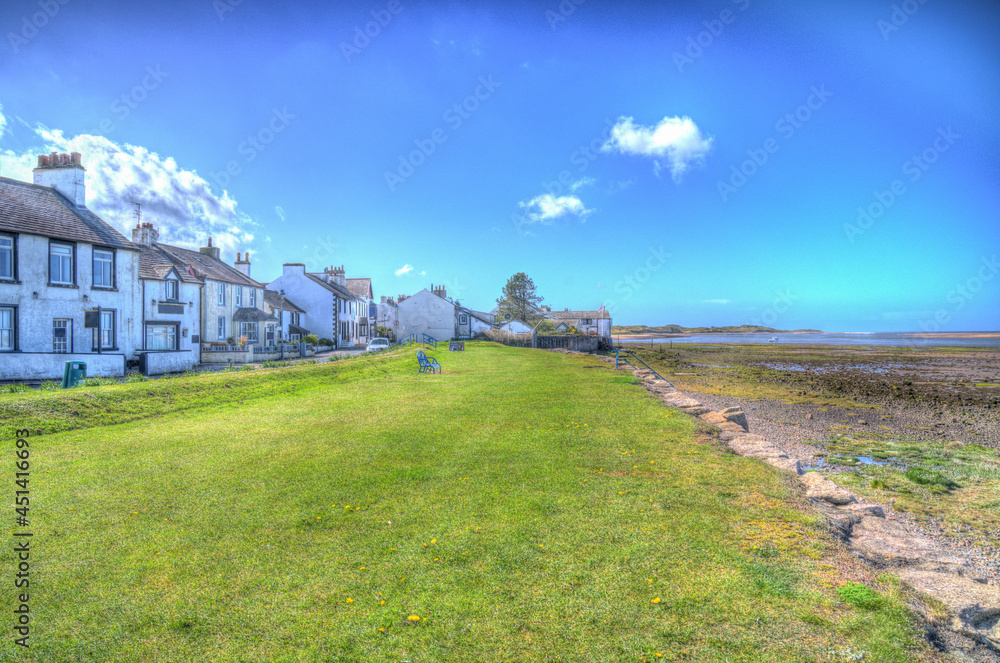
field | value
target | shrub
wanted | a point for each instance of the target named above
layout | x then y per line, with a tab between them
326	341
311	339
860	595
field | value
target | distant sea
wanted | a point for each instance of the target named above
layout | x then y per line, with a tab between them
896	339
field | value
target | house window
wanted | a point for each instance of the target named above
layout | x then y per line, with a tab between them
222	294
104	264
222	328
6	257
170	290
61	264
586	321
238	296
7	331
293	338
253	297
249	330
62	332
106	331
463	319
161	337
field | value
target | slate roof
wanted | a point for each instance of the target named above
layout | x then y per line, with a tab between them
579	315
210	268
361	288
252	314
40	210
343	293
301	331
273	299
156	263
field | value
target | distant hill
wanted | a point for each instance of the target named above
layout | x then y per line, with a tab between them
677	329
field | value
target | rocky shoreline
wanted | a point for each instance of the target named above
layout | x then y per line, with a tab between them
960	575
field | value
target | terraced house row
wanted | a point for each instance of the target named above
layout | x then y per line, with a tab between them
72	287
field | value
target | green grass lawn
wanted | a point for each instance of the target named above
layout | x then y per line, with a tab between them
522	506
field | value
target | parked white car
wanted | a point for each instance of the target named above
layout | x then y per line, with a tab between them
377	344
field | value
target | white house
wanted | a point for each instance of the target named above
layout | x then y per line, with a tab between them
289	315
171	306
516	327
363	315
385	314
69	282
594	323
329	307
431	312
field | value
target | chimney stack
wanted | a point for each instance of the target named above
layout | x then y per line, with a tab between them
65	174
144	234
210	251
243	265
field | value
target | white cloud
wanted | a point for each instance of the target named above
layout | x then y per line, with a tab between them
715	301
581	183
423	273
179	202
675	143
405	269
280	212
3	121
546	208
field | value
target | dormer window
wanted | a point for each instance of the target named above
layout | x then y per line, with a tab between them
170	290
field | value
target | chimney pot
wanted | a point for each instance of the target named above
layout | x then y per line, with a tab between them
210	244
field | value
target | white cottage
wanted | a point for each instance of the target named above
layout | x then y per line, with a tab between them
431	312
69	282
329	306
171	306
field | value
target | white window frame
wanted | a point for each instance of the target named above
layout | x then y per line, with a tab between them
110	260
166	332
8	328
251	330
238	296
221	326
71	257
222	294
107	333
62	345
171	288
253	297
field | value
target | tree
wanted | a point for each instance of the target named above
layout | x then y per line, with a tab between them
519	300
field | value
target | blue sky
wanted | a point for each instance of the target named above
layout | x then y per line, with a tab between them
825	165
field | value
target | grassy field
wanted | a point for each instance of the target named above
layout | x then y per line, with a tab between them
522	506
